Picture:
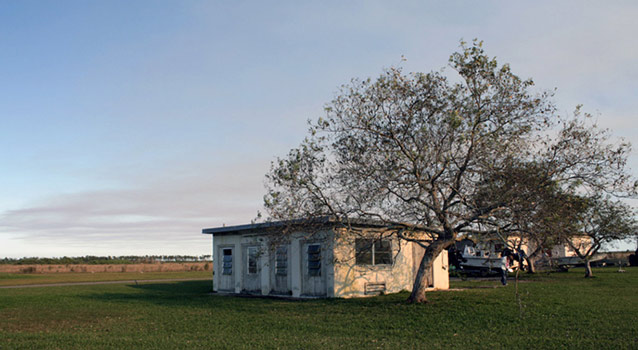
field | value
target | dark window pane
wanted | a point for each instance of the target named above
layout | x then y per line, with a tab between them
252	260
281	261
383	252
384	245
282	250
383	258
363	251
314	260
314	252
314	264
281	264
227	261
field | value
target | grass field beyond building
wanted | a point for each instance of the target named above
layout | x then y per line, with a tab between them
561	310
17	279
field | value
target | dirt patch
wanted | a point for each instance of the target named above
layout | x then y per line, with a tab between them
84	268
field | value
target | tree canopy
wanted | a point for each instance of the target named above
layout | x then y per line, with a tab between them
599	220
448	157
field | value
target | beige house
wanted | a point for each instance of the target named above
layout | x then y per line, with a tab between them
332	261
563	250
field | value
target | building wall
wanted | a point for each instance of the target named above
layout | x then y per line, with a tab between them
341	276
565	250
350	279
558	251
239	242
298	278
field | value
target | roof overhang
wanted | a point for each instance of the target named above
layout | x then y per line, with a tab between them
310	222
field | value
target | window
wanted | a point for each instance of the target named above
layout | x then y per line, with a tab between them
227	261
253	253
314	260
373	252
281	261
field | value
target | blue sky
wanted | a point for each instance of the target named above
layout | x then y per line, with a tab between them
127	126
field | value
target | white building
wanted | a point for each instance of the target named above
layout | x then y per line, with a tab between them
332	261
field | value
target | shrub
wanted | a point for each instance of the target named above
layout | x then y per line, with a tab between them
30	269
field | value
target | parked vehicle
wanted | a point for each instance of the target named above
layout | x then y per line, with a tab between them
484	261
567	262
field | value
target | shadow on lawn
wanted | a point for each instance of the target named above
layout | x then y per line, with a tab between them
169	293
199	294
184	293
182	287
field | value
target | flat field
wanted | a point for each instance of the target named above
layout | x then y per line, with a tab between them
561	310
11	279
100	268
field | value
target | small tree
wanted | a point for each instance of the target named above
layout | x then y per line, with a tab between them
601	221
548	215
556	186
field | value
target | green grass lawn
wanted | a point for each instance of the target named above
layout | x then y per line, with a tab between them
14	279
561	310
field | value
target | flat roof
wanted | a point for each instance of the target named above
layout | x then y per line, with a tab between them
324	220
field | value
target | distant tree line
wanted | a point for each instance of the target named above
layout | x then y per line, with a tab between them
96	260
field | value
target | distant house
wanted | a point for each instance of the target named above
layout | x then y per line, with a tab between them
331	260
560	254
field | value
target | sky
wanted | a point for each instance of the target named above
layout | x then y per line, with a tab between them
128	126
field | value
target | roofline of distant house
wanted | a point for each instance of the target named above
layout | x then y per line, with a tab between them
318	221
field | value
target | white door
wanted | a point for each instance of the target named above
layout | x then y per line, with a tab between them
227	270
252	276
313	270
281	270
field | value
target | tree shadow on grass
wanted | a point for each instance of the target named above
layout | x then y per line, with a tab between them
181	287
199	294
169	293
183	293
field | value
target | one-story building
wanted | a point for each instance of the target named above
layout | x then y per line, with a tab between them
328	260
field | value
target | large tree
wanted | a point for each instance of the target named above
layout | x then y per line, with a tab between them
420	151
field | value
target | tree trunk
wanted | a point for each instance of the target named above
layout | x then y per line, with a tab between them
421	280
530	265
531	259
588	272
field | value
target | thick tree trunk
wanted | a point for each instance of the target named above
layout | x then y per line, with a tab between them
531	259
588	272
421	280
530	265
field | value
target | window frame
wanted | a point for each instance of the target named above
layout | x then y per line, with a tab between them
371	244
227	264
281	260
249	255
313	257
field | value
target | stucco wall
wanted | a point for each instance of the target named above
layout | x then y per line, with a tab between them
350	279
238	242
341	276
558	251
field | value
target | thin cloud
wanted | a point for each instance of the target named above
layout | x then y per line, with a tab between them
159	215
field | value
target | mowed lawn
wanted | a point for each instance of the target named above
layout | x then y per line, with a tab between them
561	310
